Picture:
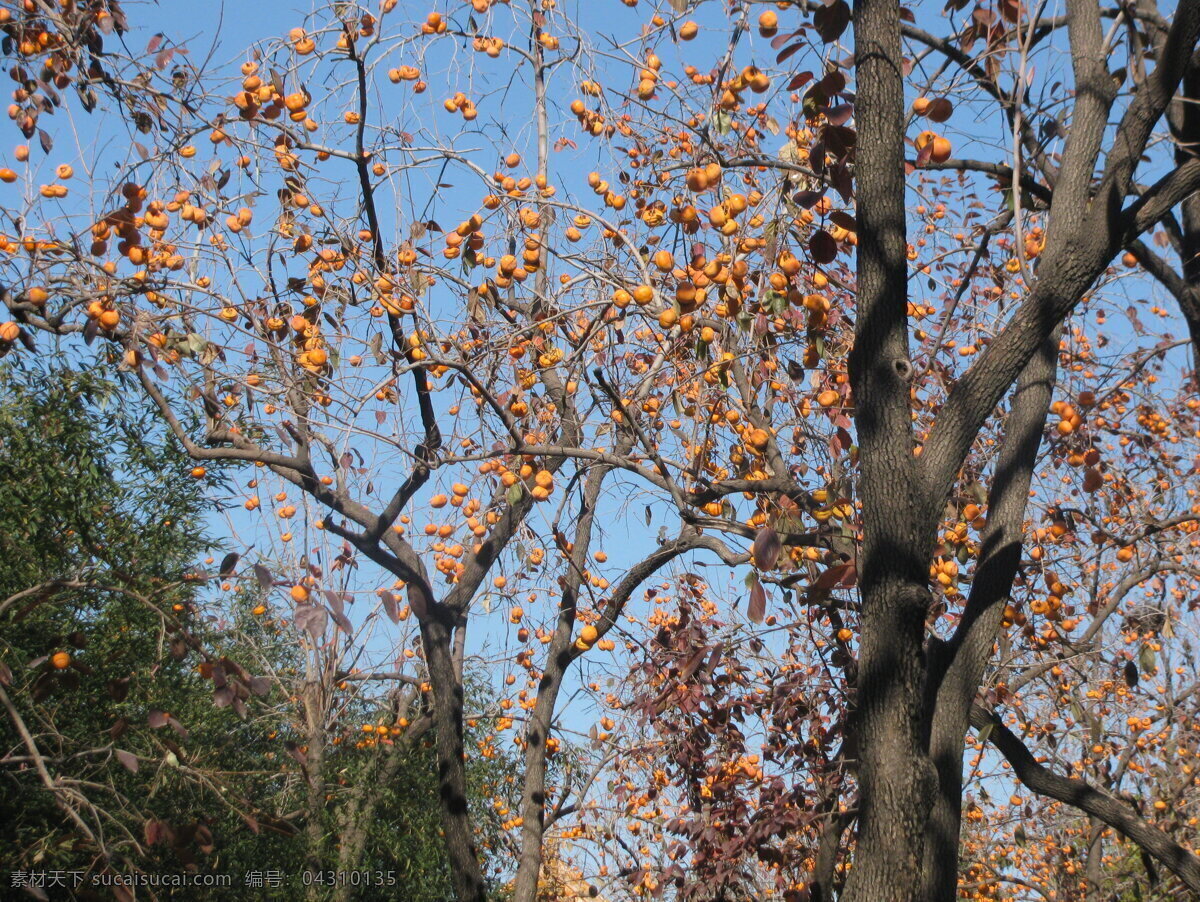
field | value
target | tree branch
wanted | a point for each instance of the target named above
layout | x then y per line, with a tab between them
1079	794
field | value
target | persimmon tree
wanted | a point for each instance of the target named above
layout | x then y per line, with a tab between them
469	292
304	344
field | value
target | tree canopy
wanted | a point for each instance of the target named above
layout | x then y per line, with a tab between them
741	449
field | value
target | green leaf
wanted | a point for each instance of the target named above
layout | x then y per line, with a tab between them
776	302
1146	659
984	734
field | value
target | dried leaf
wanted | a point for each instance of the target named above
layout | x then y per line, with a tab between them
1131	674
799	81
118	688
843	576
845	220
831	21
822	247
757	609
766	548
128	760
154	831
312	619
693	663
390	605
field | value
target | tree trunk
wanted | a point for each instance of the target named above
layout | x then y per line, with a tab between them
1094	867
895	776
957	666
533	800
896	779
558	659
436	631
314	768
1185	123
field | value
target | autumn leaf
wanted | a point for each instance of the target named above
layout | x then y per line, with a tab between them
822	247
312	619
840	576
128	760
831	20
1131	674
766	548
757	608
390	607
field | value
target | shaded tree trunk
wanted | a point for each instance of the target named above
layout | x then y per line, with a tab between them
314	774
436	634
1094	866
957	666
895	774
533	799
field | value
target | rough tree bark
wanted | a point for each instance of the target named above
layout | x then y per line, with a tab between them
895	775
957	666
437	630
314	771
907	713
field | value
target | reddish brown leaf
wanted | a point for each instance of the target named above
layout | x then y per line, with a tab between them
757	609
390	606
799	81
822	247
840	576
128	760
831	21
766	548
844	219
